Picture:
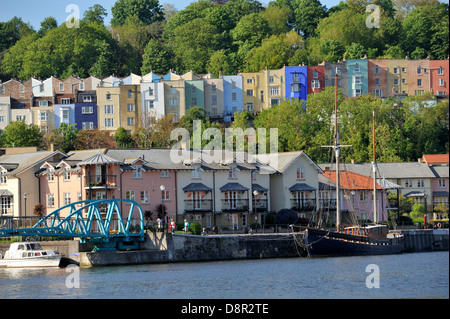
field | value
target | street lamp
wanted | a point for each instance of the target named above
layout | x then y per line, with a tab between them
255	193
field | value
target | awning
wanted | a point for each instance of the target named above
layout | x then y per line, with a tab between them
100	159
301	187
5	193
233	187
385	184
194	187
259	188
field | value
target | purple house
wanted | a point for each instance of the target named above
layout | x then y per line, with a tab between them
86	110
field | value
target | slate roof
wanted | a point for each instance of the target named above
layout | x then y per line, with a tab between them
233	187
192	187
17	163
301	187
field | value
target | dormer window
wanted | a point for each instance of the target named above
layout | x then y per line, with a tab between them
196	173
300	173
137	172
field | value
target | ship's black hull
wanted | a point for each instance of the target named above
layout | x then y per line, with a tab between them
322	243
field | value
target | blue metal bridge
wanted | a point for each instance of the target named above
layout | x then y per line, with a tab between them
108	224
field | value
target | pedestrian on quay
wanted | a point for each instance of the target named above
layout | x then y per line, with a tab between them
186	226
173	226
159	221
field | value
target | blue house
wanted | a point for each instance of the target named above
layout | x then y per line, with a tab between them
296	78
64	113
86	110
232	95
357	77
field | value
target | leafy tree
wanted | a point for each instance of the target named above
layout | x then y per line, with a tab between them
91	139
47	24
96	13
156	58
277	18
250	31
10	32
307	14
332	50
220	62
355	51
147	11
123	138
64	137
20	134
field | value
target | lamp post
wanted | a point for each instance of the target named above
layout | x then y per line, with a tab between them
25	204
255	193
162	188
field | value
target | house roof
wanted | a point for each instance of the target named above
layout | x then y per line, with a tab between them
192	187
233	187
431	159
284	161
99	159
350	180
301	187
17	163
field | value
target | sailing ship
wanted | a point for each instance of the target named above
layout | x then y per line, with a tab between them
357	239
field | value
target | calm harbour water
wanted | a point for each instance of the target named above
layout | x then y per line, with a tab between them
418	275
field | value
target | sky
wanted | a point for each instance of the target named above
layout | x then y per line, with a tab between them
34	12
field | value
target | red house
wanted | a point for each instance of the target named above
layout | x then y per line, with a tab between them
439	72
316	78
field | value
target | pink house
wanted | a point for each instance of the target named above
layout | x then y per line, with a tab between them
94	175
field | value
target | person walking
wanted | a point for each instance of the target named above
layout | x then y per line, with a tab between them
186	226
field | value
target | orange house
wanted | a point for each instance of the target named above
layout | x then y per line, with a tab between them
439	77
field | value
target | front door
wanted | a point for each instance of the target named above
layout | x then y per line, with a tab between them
235	221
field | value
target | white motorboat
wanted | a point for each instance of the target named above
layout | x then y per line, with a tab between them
29	254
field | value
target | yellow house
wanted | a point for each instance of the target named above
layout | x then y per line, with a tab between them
253	91
397	76
130	107
108	103
274	91
174	98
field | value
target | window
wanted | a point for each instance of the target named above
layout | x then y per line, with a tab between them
357	79
81	86
109	122
441	82
150	104
87	110
151	92
109	109
165	195
441	183
66	175
261	94
130	107
145	198
377	92
194	101
196	173
253	175
295	77
377	81
50	177
315	84
21	118
408	183
43	103
232	172
165	174
357	92
213	88
295	87
377	70
3	179
65	114
395	70
249	81
271	79
61	87
404	81
43	116
130	121
194	90
108	96
22	89
300	173
249	107
2	89
87	98
87	125
249	92
67	200
214	100
395	81
357	69
419	92
274	101
130	195
363	196
130	93
420	183
79	197
419	82
315	74
2	119
51	200
65	101
234	96
440	71
419	70
137	172
173	102
274	91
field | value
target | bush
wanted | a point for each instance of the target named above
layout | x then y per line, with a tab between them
195	228
286	216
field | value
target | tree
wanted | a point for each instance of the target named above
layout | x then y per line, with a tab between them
307	14
47	24
39	210
92	139
64	137
123	139
250	31
147	11
20	134
332	50
355	51
156	58
96	14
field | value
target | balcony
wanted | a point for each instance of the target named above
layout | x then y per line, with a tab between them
100	181
198	206
327	204
302	205
260	204
234	205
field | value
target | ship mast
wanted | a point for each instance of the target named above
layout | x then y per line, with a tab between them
374	167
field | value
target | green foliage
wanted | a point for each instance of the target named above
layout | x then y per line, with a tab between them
20	134
417	211
123	138
147	11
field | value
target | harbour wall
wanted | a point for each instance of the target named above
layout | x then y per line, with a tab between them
418	240
164	248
